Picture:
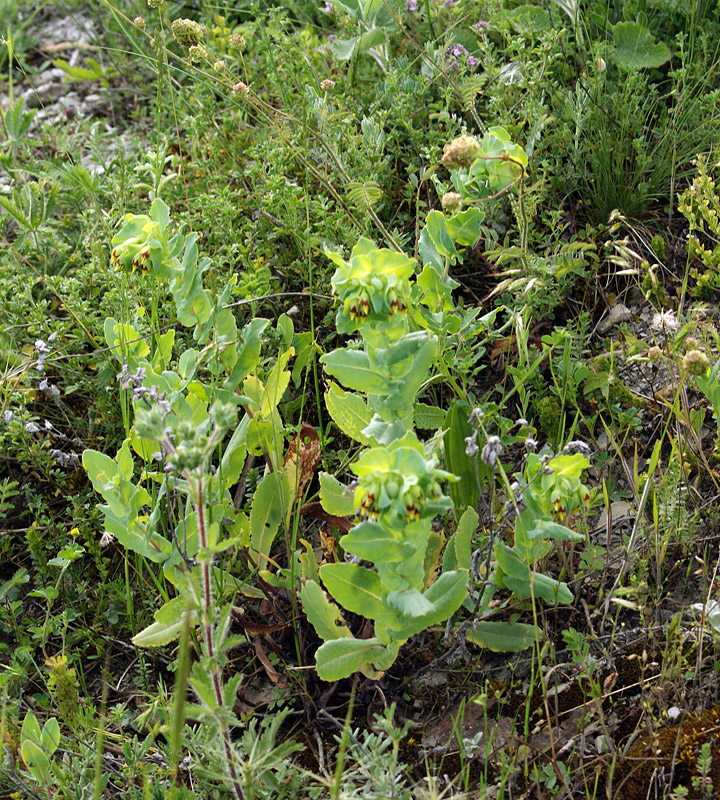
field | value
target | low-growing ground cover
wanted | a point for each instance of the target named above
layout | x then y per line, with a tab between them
359	400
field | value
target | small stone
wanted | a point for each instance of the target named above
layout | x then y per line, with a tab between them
618	314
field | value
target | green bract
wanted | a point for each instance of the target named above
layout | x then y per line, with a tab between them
373	286
398	484
142	242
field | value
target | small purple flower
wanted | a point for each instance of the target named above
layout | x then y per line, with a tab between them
458	50
481	25
471	61
327	8
412	5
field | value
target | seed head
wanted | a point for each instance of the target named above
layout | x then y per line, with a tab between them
106	539
665	321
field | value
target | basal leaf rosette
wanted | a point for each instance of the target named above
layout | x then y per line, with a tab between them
372	287
142	243
399	485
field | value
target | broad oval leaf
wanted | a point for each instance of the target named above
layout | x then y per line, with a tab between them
356	588
503	637
340	658
323	615
636	48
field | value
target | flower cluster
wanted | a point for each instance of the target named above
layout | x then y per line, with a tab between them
373	285
398	485
42	349
142	242
186	32
461	152
197	52
458	52
451	202
237	42
695	362
560	484
131	245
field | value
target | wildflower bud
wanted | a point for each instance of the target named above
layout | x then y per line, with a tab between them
461	152
139	22
695	363
600	65
219	66
186	32
491	451
197	53
691	343
223	414
451	202
327	84
577	446
654	353
155	3
241	89
237	42
476	416
471	449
